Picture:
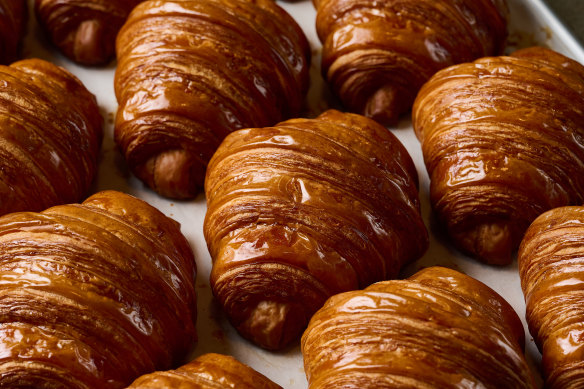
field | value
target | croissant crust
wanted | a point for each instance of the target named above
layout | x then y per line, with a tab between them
190	72
502	140
436	329
93	294
13	17
303	210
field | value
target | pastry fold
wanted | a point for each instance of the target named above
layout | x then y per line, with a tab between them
215	371
303	210
436	329
190	72
377	54
551	267
503	141
13	18
50	136
93	295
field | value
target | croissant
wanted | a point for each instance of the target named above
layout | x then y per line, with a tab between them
304	210
50	139
551	266
207	371
13	15
191	71
502	140
436	329
377	54
93	294
84	31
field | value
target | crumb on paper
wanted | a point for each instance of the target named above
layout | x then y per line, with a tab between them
218	334
202	286
110	117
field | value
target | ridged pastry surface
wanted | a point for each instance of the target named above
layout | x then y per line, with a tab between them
93	295
303	210
502	140
84	30
49	138
13	20
190	72
551	266
436	329
377	54
209	371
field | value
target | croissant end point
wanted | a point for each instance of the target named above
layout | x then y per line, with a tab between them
492	242
386	105
89	47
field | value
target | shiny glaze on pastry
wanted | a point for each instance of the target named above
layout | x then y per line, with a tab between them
551	266
502	139
304	210
93	294
192	71
377	54
84	30
13	17
212	371
49	138
436	329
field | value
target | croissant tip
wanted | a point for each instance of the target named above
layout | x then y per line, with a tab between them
89	45
492	243
386	105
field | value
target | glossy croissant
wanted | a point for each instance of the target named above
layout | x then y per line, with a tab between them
377	54
207	371
304	210
13	15
50	139
436	329
502	140
190	72
84	31
551	267
93	294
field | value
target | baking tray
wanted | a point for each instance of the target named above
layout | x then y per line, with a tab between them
532	23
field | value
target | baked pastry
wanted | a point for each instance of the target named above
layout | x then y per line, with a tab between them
502	140
377	54
93	294
207	371
551	267
190	72
436	329
13	15
50	137
84	31
304	210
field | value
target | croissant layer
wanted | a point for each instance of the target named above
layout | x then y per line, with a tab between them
436	329
377	54
13	16
190	72
502	140
303	210
93	294
551	267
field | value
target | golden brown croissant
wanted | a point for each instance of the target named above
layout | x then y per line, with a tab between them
50	138
304	210
377	54
551	266
84	30
13	15
207	371
502	140
192	71
437	329
93	294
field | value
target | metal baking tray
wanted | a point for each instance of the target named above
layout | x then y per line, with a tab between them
532	23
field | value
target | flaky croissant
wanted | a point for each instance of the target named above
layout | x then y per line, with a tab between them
436	329
192	71
377	54
93	294
85	31
551	266
207	371
502	140
13	15
50	137
304	210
